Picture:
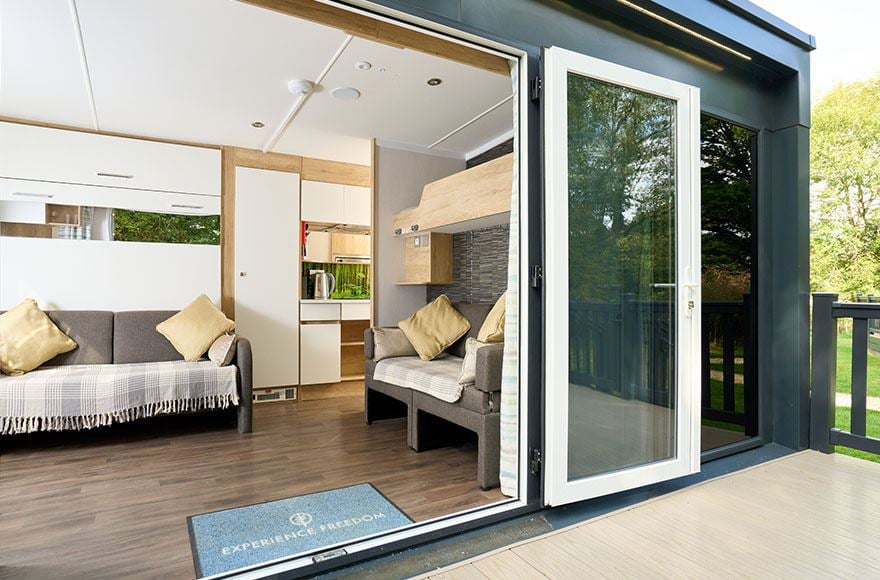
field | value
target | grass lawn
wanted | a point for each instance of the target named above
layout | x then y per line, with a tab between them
872	429
844	367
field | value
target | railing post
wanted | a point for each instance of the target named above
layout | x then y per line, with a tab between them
824	372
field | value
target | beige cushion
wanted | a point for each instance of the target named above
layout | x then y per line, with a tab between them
28	338
432	328
222	350
193	329
468	375
390	343
493	327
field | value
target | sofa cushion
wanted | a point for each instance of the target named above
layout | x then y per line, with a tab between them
195	328
390	343
476	314
91	330
28	338
438	378
492	329
434	327
135	338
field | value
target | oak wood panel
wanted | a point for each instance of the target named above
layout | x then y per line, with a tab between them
350	245
327	171
17	230
431	264
275	161
478	192
112	502
806	515
63	215
227	232
387	33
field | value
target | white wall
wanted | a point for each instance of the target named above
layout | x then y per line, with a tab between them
400	177
104	275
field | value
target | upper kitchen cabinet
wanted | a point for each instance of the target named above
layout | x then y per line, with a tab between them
335	203
32	155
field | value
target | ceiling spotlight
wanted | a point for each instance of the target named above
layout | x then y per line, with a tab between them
363	65
434	81
258	124
300	87
345	93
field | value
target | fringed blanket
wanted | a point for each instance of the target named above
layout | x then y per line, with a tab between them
438	378
84	396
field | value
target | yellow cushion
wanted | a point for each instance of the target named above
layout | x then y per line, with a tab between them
493	327
195	328
28	338
434	327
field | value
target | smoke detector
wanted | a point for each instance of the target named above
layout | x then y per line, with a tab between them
300	87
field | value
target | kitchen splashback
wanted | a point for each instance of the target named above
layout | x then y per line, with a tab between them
479	266
352	280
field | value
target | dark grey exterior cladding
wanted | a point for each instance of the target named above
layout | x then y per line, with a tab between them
769	93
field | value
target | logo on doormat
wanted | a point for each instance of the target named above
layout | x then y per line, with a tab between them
301	519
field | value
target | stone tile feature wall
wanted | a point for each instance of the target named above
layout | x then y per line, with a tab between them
479	266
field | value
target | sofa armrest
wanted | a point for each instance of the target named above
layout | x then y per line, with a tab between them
490	359
244	362
369	344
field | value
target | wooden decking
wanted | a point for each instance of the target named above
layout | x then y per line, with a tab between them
807	515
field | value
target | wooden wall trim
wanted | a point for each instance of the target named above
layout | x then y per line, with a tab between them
274	161
336	172
227	232
385	32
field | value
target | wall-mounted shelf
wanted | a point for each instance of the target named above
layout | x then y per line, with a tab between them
427	259
476	194
63	215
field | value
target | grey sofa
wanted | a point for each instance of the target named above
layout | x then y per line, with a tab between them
105	337
432	422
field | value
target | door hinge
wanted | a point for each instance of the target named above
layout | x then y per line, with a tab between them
535	88
535	461
537	277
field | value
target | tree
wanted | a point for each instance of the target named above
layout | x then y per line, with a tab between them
142	226
845	167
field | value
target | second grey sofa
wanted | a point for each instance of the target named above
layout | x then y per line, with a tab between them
432	422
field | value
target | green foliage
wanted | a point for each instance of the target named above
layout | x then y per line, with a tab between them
845	166
142	226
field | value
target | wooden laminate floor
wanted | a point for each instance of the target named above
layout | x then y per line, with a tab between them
807	515
113	503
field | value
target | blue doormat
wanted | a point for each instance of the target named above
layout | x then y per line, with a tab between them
230	539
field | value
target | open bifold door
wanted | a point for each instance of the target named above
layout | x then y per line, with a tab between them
622	401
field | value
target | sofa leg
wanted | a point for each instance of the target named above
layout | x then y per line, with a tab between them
489	453
245	417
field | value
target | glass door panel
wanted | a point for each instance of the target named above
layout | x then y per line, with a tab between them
623	360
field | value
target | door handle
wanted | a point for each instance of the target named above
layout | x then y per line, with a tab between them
663	285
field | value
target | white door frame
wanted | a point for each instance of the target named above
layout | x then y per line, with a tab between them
557	489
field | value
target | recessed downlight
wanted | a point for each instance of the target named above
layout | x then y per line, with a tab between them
346	93
434	81
258	124
363	65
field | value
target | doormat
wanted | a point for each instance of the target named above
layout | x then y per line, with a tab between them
235	538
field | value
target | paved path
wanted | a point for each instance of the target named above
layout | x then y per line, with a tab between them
845	400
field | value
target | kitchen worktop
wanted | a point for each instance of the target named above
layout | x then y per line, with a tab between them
338	301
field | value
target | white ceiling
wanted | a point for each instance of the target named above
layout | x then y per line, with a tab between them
203	70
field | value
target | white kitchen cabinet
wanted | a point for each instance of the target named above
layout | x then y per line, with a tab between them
357	205
356	311
267	281
322	202
88	159
318	247
140	200
318	311
320	353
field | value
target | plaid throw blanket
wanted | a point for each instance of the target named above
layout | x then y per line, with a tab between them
438	378
84	396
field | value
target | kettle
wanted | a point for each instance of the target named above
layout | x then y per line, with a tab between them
324	284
